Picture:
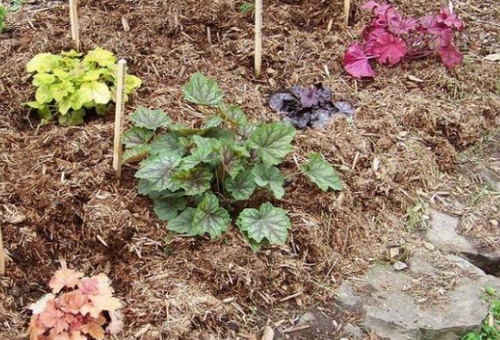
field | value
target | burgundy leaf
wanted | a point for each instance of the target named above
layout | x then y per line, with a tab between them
446	37
450	19
397	25
389	48
356	62
429	24
450	55
371	39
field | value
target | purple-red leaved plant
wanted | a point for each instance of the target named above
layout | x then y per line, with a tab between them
390	38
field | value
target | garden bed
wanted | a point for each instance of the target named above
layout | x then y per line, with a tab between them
59	197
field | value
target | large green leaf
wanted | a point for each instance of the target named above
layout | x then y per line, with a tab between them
158	170
183	223
136	153
269	224
233	114
202	90
266	176
210	218
168	208
321	173
149	119
185	131
242	187
167	143
212	122
145	188
194	181
231	156
136	136
202	153
272	142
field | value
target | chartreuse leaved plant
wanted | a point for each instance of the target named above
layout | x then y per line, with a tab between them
70	84
196	174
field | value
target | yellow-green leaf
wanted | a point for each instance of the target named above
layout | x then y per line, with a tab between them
61	90
101	57
43	94
43	78
98	91
92	75
43	62
131	83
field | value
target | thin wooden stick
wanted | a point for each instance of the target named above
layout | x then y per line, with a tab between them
117	150
258	37
2	255
347	11
73	14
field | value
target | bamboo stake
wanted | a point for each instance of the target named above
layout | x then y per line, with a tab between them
347	11
73	14
258	37
117	150
2	255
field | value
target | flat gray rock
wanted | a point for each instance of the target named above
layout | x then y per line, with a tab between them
438	297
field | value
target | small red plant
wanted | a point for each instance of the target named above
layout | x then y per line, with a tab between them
390	39
79	308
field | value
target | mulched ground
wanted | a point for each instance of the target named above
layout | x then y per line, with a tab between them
59	197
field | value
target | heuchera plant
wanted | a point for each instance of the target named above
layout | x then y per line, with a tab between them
313	106
79	308
70	84
196	175
390	38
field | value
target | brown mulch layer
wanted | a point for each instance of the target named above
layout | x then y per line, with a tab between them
59	197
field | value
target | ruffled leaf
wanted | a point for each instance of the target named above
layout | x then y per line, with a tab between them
356	62
321	173
149	119
202	90
266	224
272	142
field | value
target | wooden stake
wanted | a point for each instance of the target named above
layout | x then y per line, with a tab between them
258	37
117	150
73	14
347	11
2	255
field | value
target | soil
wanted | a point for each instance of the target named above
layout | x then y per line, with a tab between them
59	197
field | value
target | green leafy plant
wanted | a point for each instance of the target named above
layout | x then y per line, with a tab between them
247	7
70	84
490	327
197	175
3	12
